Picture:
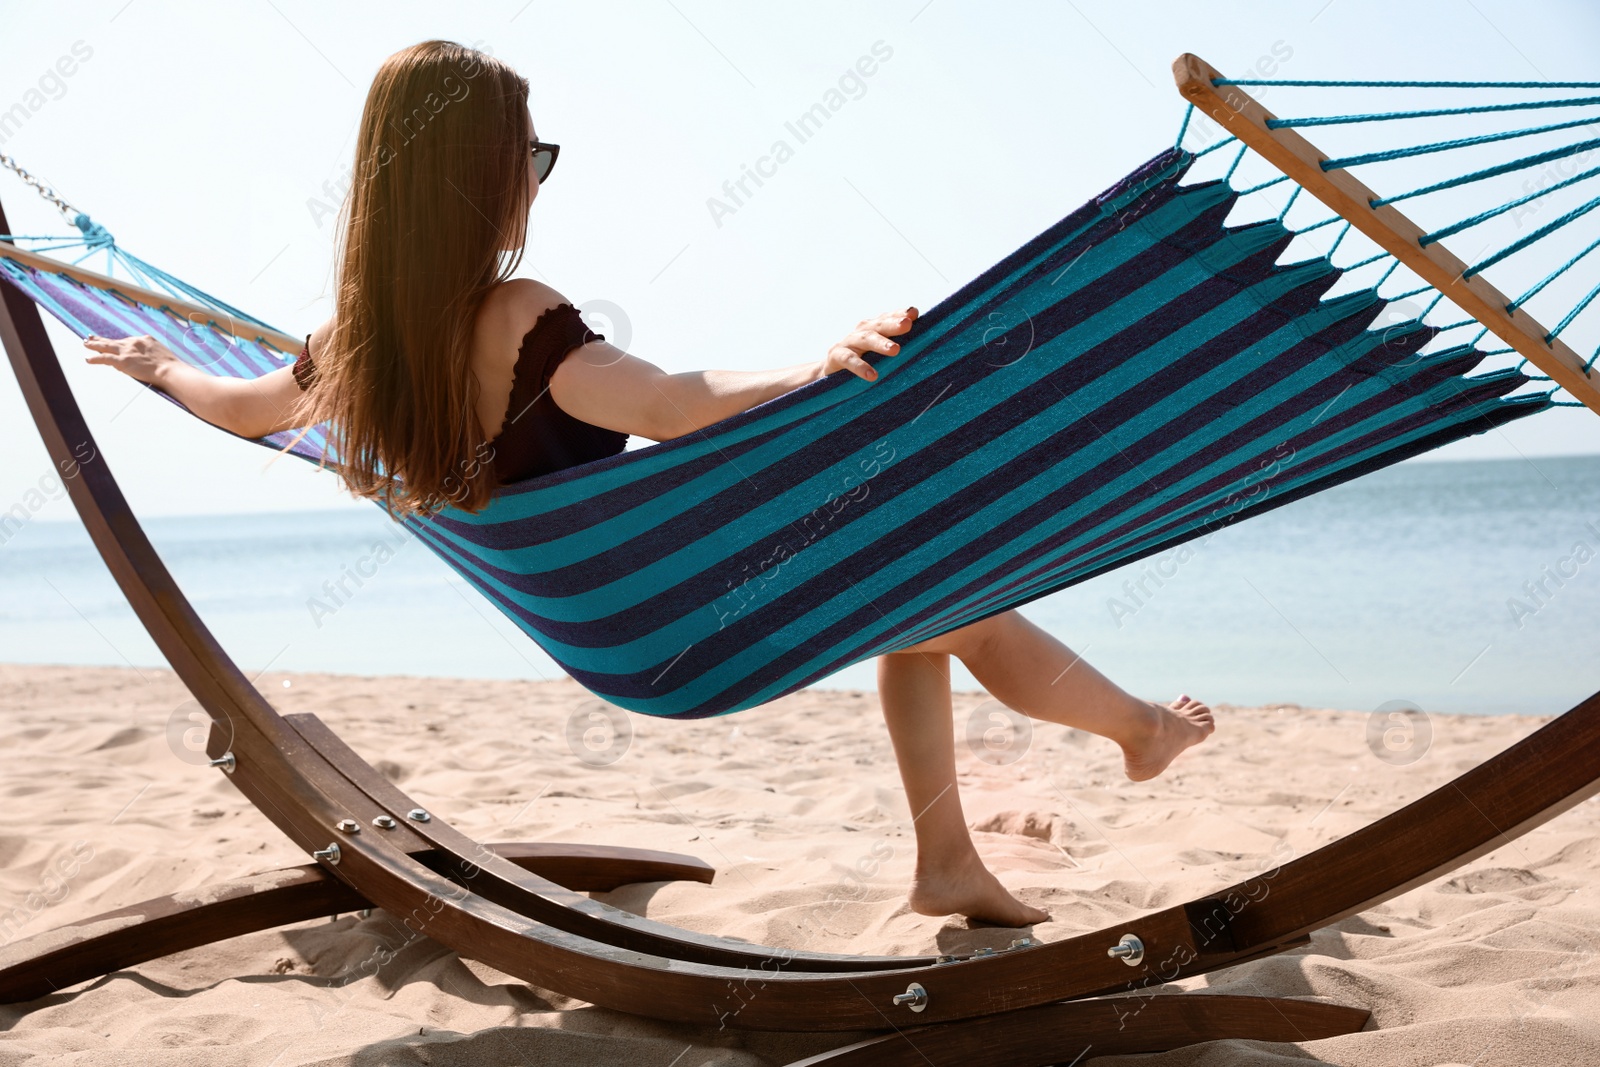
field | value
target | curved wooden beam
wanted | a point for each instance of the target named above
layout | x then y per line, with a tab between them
462	859
1077	1031
45	963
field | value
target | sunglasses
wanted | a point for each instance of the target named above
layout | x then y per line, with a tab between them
544	158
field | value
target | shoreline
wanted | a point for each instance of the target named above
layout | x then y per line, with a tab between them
854	692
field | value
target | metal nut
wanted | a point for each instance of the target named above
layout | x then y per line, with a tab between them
348	826
384	822
329	855
1129	950
418	815
225	761
915	997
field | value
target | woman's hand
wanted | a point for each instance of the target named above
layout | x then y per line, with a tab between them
249	407
870	335
142	358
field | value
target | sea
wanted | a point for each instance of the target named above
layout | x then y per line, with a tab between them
1459	586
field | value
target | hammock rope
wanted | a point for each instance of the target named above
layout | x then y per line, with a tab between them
1336	240
1537	235
1265	185
1329	221
95	238
1552	276
1468	223
1243	150
1525	163
1230	139
1405	84
1387	155
1431	113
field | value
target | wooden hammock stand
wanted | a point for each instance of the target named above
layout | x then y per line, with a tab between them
521	908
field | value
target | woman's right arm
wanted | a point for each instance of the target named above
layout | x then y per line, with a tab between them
249	407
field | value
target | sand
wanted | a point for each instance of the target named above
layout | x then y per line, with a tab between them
798	805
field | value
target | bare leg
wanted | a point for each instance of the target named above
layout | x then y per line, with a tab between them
1026	669
950	878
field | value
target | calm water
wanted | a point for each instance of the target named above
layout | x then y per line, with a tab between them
1461	586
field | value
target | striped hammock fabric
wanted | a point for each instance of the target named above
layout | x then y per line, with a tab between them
1137	375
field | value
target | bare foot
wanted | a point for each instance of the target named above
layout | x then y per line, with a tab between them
1173	728
967	888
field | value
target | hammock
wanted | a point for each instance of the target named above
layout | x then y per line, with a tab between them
1139	374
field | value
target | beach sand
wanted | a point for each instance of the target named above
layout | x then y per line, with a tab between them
799	808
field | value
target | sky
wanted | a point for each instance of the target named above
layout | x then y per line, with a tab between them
215	141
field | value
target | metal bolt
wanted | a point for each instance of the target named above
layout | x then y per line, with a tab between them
225	761
1129	950
915	998
365	913
418	815
984	951
348	826
947	959
384	822
329	855
1023	942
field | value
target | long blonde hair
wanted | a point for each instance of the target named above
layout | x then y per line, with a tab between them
440	187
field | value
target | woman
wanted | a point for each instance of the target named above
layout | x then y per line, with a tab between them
442	377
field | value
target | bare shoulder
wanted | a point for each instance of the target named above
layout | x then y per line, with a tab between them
511	308
506	314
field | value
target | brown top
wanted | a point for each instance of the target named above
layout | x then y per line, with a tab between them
537	437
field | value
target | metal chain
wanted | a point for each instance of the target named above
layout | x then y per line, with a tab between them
43	190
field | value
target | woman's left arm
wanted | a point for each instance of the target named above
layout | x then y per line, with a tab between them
603	385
